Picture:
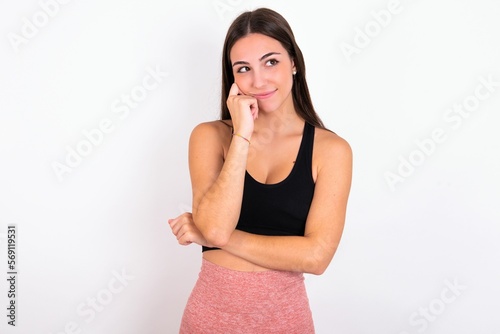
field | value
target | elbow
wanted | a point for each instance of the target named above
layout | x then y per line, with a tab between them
318	263
314	266
318	268
216	238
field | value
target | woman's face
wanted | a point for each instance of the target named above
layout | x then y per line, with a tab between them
263	69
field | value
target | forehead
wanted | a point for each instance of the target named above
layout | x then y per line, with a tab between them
253	46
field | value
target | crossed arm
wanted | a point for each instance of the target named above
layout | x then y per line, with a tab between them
219	184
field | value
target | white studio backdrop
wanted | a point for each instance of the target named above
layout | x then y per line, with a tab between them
97	101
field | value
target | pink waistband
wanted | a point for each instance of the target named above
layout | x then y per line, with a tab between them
242	291
228	301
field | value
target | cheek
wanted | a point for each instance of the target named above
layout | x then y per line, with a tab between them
243	83
286	81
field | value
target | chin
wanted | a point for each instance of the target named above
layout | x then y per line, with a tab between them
268	107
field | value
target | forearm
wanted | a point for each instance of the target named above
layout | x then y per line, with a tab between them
216	213
288	253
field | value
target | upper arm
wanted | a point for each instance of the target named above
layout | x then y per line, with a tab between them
206	158
325	221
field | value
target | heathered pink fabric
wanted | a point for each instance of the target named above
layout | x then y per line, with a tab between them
225	301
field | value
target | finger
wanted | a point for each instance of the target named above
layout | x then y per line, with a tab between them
180	233
183	242
173	221
254	109
176	225
178	222
175	229
235	90
182	215
184	238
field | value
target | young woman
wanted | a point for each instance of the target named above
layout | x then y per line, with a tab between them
270	189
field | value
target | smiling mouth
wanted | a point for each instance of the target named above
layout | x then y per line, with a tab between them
264	95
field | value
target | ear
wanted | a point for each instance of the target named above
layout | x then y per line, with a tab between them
294	69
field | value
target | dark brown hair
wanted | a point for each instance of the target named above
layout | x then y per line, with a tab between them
270	23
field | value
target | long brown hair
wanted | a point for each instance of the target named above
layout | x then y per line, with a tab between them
270	23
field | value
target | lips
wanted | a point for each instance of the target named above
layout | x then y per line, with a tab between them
264	95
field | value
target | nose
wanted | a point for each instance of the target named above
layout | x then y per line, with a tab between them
259	78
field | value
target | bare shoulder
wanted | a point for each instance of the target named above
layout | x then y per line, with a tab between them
212	130
329	145
332	155
212	135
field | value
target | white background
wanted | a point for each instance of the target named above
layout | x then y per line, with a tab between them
405	243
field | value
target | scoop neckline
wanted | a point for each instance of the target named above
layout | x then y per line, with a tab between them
293	168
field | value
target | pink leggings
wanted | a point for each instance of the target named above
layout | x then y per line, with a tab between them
226	301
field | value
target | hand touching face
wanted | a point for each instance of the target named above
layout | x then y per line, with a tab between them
244	110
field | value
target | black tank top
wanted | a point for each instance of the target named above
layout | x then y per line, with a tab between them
280	208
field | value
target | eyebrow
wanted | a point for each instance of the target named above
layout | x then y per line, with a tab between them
241	62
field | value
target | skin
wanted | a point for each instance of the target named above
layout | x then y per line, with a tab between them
261	107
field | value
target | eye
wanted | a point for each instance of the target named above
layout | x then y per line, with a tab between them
272	62
243	69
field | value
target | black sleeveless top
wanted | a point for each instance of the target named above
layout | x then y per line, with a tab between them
280	208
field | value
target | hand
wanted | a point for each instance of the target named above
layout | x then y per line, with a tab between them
244	111
185	230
